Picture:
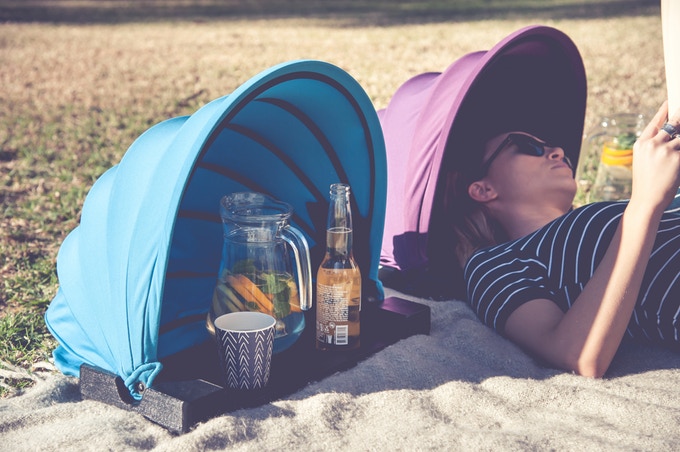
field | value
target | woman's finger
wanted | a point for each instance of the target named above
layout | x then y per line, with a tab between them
654	126
671	129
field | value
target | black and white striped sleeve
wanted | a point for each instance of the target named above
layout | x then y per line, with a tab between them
498	283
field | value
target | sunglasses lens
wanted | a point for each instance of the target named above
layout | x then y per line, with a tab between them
528	146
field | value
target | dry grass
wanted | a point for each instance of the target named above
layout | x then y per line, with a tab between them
74	97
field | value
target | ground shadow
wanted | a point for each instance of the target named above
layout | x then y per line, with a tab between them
348	12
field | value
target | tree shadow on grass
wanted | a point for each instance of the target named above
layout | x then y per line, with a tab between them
346	12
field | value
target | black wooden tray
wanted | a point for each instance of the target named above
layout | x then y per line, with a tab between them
189	388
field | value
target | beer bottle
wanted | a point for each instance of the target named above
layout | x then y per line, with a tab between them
338	282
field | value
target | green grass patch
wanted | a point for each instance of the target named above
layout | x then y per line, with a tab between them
30	341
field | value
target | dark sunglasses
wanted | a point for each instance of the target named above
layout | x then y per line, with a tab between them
525	144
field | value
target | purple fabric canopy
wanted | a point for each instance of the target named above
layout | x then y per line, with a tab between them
433	117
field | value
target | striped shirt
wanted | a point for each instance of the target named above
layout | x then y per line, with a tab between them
557	261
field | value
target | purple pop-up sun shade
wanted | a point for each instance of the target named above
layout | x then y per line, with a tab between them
533	80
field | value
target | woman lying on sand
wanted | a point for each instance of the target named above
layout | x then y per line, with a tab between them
567	285
499	132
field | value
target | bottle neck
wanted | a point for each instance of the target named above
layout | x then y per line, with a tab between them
339	224
339	241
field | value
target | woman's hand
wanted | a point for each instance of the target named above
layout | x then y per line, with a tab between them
656	163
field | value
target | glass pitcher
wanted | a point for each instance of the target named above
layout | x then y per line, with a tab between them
265	265
604	172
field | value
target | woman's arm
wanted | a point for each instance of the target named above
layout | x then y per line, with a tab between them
586	337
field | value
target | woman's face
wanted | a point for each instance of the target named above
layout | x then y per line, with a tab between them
518	174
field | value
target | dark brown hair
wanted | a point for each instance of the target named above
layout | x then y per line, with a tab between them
471	225
459	226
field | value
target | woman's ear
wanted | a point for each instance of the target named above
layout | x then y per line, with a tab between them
482	191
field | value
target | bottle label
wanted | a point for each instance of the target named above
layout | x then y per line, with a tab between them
332	314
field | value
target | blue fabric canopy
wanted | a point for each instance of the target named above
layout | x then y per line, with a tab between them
137	275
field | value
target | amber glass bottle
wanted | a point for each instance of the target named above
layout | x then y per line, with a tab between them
338	282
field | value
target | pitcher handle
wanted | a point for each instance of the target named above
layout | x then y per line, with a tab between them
298	243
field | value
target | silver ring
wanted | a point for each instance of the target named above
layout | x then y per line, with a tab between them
670	130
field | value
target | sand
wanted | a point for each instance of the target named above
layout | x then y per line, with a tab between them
462	387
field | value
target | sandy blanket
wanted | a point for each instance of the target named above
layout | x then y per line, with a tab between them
461	388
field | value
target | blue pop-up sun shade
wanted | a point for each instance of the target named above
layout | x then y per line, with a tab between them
137	276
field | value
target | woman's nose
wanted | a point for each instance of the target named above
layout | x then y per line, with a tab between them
557	153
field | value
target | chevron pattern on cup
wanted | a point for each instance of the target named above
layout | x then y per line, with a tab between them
246	358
